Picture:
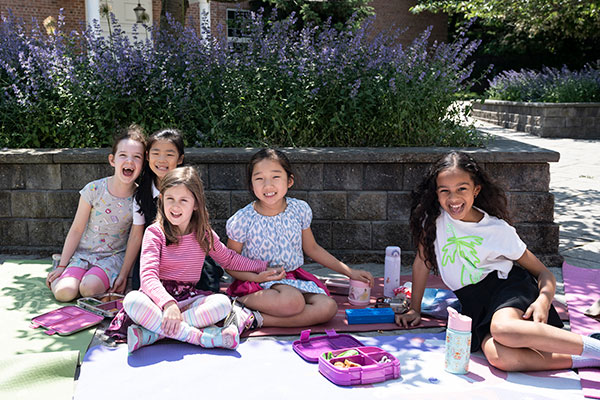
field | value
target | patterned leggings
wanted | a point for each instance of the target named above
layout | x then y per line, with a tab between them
203	312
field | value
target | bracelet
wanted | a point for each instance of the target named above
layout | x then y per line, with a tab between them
61	266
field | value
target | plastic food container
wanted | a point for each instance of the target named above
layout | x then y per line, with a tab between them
345	361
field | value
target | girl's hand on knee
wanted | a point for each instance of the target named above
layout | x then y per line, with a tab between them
362	275
537	311
171	319
54	274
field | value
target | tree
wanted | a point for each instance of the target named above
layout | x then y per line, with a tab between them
574	19
317	12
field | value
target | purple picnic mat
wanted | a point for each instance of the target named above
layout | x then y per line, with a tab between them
582	289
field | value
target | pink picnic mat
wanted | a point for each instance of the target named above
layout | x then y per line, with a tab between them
340	324
582	289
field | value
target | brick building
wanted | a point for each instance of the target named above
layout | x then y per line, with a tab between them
78	13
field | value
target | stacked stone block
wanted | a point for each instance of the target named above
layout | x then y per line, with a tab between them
360	197
566	120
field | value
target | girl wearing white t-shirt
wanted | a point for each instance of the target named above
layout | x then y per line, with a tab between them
461	227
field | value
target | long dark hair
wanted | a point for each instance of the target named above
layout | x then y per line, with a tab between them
199	222
268	154
143	195
425	207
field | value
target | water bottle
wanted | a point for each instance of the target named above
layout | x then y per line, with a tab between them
458	342
392	270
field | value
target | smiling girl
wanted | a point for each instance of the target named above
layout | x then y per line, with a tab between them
173	252
93	258
276	228
461	228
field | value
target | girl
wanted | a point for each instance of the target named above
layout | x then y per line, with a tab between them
276	228
173	252
165	152
460	225
93	258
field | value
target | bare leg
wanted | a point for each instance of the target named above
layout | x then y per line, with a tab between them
515	344
65	289
91	285
286	306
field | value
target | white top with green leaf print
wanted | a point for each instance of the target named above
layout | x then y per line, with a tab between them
468	251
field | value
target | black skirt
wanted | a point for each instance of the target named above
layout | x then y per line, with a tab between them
481	300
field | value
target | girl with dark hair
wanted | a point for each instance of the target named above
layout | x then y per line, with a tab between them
460	226
276	228
165	152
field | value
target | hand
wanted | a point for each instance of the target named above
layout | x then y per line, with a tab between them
171	319
408	319
538	310
54	274
119	285
362	275
271	274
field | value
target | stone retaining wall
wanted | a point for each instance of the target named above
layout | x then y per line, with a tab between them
359	197
566	120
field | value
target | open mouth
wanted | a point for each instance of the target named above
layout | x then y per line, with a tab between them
128	172
457	209
270	194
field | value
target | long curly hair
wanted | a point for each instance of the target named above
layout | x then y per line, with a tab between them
199	221
425	207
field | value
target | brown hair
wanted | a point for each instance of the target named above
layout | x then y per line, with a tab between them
199	221
133	132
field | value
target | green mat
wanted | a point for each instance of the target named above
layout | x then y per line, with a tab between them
38	375
32	362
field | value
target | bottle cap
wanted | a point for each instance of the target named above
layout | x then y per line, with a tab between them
392	251
457	321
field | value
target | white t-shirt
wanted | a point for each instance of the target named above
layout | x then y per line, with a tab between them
468	251
138	217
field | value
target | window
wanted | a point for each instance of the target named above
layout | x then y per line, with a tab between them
237	25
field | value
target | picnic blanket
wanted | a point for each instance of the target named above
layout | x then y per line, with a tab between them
269	369
339	323
582	289
33	364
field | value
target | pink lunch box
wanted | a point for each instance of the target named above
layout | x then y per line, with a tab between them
356	364
89	311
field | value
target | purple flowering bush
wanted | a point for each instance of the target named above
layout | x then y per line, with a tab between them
549	85
314	87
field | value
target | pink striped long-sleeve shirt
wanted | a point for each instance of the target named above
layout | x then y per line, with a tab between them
182	262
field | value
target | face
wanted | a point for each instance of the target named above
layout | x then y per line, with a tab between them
127	160
179	204
270	183
456	193
163	157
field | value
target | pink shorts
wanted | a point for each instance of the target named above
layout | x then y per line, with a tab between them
79	273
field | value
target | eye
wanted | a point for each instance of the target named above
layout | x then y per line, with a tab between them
258	179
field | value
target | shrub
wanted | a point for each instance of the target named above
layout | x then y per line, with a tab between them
548	85
314	87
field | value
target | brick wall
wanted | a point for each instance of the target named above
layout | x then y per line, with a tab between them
73	10
396	14
359	197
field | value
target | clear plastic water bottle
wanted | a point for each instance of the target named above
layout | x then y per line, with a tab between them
458	342
391	270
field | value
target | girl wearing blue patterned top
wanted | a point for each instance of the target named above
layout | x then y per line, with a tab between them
276	228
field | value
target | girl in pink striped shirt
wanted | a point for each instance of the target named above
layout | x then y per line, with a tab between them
173	252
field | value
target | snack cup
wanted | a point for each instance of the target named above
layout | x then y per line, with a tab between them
359	293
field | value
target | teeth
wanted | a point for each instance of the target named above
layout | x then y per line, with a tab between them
270	194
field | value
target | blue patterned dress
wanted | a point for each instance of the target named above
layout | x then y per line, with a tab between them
276	239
